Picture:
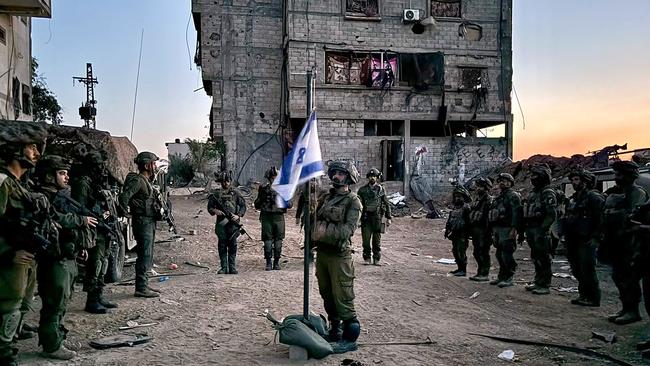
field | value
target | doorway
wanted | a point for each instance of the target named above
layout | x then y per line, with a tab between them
392	159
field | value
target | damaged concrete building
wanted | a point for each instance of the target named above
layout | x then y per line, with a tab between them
392	78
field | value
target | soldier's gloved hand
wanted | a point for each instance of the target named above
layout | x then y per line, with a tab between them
23	257
235	218
91	221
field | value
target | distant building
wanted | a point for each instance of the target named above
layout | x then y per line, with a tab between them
16	55
177	148
391	79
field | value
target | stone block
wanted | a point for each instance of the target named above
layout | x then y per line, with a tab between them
297	353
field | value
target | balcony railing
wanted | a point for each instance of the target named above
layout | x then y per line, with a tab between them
28	8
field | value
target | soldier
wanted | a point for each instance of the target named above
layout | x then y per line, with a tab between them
375	206
539	215
20	149
457	227
272	219
139	197
620	247
480	230
580	230
504	217
86	190
57	268
225	203
337	217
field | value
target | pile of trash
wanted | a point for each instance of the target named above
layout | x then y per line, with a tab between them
398	205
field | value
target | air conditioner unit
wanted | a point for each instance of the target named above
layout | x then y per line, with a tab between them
411	15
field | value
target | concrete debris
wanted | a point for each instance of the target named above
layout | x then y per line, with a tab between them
475	295
446	261
507	355
609	337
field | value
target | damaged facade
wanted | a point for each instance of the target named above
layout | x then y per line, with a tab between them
387	84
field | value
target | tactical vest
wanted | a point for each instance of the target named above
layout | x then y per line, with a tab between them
534	206
228	199
456	221
266	200
477	215
577	219
372	198
614	212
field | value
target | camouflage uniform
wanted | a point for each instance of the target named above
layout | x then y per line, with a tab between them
505	215
457	229
337	217
539	215
375	206
139	196
16	232
58	269
227	232
272	220
87	192
581	229
479	230
620	247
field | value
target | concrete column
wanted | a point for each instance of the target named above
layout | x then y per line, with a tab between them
407	157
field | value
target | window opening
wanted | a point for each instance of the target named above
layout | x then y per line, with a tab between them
445	8
362	8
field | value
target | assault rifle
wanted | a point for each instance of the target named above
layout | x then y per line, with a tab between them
77	208
231	219
166	210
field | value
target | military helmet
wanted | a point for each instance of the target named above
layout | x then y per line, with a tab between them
14	135
344	166
272	172
224	176
51	164
484	182
586	176
459	189
145	157
373	173
541	170
626	167
506	176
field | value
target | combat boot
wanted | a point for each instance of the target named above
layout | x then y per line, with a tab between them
367	261
586	302
461	271
92	304
613	317
578	300
224	265
540	291
335	331
269	266
232	266
105	303
495	281
61	354
479	278
276	264
506	283
375	262
530	286
348	342
146	293
628	317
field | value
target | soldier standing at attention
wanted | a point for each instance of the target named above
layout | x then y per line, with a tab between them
581	230
57	268
337	217
272	219
479	229
620	247
375	206
457	229
230	200
19	150
138	196
86	189
539	215
505	216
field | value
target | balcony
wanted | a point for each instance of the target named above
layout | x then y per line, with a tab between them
27	8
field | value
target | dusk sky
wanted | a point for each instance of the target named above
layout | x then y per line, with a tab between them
581	70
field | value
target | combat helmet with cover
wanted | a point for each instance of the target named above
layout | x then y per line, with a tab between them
14	136
344	166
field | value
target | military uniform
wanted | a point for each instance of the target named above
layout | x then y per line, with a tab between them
581	230
227	232
272	220
17	226
58	268
139	196
504	217
375	206
619	246
457	230
539	215
480	231
337	217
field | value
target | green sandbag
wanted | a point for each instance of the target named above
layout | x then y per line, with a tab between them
315	322
293	332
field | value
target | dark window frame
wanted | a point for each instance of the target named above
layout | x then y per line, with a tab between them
27	99
460	9
354	57
485	81
359	15
3	35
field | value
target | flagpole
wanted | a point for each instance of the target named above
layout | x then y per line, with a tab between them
307	213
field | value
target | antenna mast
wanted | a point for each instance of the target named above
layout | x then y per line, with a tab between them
88	111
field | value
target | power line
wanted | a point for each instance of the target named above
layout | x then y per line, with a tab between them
137	81
523	119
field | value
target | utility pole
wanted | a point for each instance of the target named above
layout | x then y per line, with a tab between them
88	111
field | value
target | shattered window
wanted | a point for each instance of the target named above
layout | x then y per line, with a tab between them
445	8
422	71
472	77
371	69
362	8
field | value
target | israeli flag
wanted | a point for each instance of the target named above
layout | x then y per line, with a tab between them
303	163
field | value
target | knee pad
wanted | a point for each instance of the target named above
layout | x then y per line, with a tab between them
351	330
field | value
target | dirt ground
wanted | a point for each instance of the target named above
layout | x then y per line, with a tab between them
215	319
